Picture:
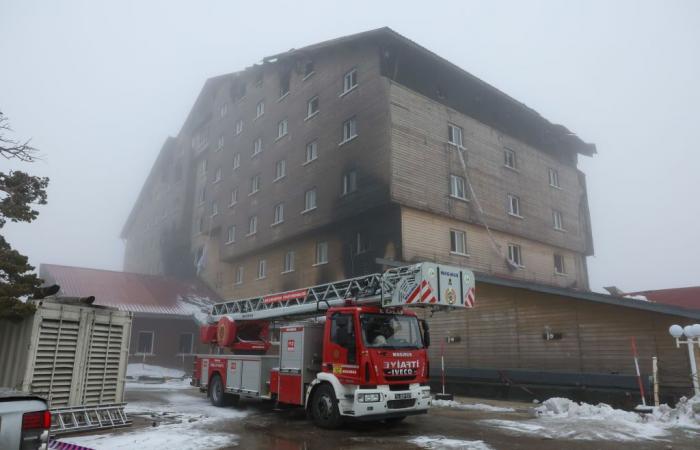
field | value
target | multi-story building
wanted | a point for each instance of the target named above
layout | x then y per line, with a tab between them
332	160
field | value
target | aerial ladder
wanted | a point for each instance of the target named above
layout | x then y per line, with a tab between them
352	348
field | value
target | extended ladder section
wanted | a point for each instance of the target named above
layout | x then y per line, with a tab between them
82	418
425	285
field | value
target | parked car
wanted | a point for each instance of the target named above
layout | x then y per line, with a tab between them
24	421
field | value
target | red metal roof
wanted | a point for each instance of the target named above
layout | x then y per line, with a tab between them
131	291
686	297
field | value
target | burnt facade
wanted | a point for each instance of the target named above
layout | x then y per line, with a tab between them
317	162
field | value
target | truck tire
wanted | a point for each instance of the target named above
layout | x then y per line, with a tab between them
216	391
324	408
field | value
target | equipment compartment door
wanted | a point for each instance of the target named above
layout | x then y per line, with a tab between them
233	374
250	376
290	389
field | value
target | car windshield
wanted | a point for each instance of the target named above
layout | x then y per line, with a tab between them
390	331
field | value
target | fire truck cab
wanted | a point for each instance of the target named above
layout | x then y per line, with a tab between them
364	357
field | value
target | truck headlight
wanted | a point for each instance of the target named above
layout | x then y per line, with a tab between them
369	398
426	393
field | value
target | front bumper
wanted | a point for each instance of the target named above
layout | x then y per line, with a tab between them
415	400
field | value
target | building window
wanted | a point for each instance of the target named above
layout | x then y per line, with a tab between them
214	208
557	220
458	242
239	126
259	78
236	161
349	130
145	343
203	167
262	269
514	205
458	187
309	200
257	147
217	175
234	197
454	135
280	169
349	182
284	84
311	151
220	144
231	234
202	195
350	81
509	158
254	184
223	110
279	214
239	275
321	253
282	128
186	341
553	178
200	224
362	243
260	109
559	267
312	107
515	255
252	225
308	69
288	262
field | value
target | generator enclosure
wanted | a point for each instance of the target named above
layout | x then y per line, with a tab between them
70	354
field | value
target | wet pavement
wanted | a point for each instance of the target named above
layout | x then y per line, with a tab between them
262	427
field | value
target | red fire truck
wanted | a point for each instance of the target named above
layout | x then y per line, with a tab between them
347	349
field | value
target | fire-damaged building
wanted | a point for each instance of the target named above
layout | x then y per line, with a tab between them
352	155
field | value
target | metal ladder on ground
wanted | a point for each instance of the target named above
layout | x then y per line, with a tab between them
81	418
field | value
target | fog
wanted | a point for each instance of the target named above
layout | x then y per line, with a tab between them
98	86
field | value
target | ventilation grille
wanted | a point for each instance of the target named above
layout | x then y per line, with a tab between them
55	360
102	375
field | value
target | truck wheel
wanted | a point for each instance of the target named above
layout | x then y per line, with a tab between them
324	407
216	391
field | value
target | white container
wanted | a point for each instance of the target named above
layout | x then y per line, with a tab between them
69	354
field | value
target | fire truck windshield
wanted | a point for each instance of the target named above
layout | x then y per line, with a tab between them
390	331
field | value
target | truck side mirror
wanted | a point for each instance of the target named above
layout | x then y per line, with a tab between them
426	332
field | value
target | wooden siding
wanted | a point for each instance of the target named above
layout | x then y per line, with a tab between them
426	237
505	331
422	162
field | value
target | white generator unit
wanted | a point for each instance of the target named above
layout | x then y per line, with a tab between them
74	355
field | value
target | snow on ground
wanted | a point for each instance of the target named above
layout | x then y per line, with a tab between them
559	418
185	424
138	370
440	442
470	406
166	385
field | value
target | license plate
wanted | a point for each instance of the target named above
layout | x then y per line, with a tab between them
402	396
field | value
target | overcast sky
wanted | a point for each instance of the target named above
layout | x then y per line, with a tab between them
100	85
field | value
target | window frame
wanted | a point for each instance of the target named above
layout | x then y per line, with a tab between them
278	211
314	195
283	164
309	112
138	342
239	127
262	269
563	264
451	135
288	262
220	143
252	225
321	253
236	160
349	182
255	184
454	248
313	144
453	187
513	250
260	109
180	352
234	197
558	220
214	208
238	277
349	125
510	152
282	128
350	81
257	147
231	234
553	175
217	175
514	200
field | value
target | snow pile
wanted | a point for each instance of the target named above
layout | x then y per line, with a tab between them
165	385
186	424
140	370
440	442
470	406
559	418
199	307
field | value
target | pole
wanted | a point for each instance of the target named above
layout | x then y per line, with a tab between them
655	376
442	364
633	340
693	366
